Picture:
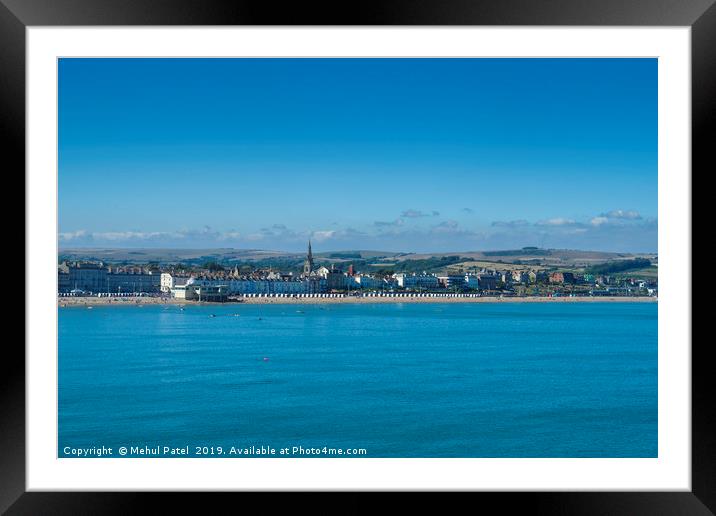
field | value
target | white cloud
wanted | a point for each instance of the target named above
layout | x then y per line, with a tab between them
558	221
73	235
615	230
622	214
320	236
205	233
128	235
616	217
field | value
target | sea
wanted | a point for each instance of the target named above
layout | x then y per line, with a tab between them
359	380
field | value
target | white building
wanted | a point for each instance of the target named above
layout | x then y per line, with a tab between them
168	281
368	281
417	281
322	272
201	292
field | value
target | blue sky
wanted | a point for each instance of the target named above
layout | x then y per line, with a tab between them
413	155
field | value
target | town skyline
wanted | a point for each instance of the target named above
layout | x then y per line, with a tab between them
397	155
329	274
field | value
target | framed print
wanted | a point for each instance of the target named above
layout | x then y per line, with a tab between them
419	248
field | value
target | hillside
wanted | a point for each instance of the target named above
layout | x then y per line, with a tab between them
372	261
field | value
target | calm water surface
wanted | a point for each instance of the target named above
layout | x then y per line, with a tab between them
399	380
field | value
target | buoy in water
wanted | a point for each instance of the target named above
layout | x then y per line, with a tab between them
266	359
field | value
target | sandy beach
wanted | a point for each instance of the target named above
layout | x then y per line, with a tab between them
134	301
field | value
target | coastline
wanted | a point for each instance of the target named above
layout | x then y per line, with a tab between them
69	302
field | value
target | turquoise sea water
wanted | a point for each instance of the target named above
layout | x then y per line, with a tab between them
397	380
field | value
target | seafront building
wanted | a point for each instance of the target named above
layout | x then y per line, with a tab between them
488	281
472	281
200	291
276	286
561	277
365	281
452	281
97	278
417	281
168	281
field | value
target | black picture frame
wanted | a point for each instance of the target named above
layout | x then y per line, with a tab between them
700	15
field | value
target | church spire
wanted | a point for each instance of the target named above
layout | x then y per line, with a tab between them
308	264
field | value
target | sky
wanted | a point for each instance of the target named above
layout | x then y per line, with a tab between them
405	155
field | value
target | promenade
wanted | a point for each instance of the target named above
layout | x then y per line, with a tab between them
346	298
